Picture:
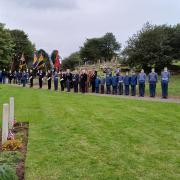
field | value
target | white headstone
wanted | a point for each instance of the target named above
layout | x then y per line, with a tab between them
11	113
5	123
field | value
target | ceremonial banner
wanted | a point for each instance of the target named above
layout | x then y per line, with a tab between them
40	62
22	62
35	62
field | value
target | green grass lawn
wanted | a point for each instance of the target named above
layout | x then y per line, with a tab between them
92	137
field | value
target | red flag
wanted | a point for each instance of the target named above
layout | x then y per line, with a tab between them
57	62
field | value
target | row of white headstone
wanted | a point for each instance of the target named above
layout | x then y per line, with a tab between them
7	119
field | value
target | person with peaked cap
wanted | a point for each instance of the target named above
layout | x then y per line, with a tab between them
68	80
55	81
31	78
75	79
165	76
49	79
102	83
133	83
126	81
97	83
152	79
24	78
120	83
83	79
114	84
142	82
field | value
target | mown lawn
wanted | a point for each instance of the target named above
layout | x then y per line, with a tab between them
90	137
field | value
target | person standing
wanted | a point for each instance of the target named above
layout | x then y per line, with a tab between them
10	77
55	81
19	77
97	83
68	80
102	82
114	84
120	83
83	79
62	80
24	78
133	82
152	78
49	78
4	74
93	79
40	75
108	81
142	81
126	81
0	76
75	80
31	78
165	76
27	76
15	77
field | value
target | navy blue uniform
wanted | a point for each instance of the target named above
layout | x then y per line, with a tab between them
24	77
126	81
120	84
103	81
19	76
0	77
133	82
55	81
152	78
41	75
75	79
114	84
108	83
142	81
4	76
83	80
93	78
49	79
164	83
97	83
31	78
68	81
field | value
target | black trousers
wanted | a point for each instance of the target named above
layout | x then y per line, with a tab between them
120	88
133	90
115	90
126	90
31	82
102	89
40	83
141	89
49	84
152	89
75	87
108	89
62	83
164	86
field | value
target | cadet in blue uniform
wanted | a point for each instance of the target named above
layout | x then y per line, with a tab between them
4	76
97	83
133	82
24	77
108	81
120	83
27	76
152	78
126	81
75	79
15	77
165	76
114	84
19	76
55	81
142	81
103	81
10	77
68	80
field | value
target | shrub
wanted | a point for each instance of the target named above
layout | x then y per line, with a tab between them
12	145
7	173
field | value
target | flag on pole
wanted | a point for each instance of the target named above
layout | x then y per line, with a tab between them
35	61
22	62
40	62
57	61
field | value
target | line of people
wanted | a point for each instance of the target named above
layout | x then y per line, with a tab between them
117	84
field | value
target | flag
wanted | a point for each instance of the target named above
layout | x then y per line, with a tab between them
22	62
40	62
35	61
57	62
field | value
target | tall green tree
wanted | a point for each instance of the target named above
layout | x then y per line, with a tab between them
6	47
22	45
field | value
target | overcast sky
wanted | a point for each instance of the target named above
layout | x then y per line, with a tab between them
65	24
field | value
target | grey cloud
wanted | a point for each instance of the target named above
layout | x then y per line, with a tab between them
47	4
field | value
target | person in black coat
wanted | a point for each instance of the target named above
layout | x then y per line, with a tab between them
93	79
31	78
10	76
41	75
49	79
83	80
68	80
75	79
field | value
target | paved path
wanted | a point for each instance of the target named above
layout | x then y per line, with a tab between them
146	98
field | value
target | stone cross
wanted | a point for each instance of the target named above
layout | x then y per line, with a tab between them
11	113
5	121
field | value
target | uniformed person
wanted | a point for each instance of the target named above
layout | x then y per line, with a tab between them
27	76
165	76
4	74
120	83
68	80
126	81
102	82
31	78
19	76
15	77
75	80
83	79
114	84
40	75
133	82
49	79
142	81
24	78
0	76
93	79
10	77
55	81
62	80
108	81
97	83
152	78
